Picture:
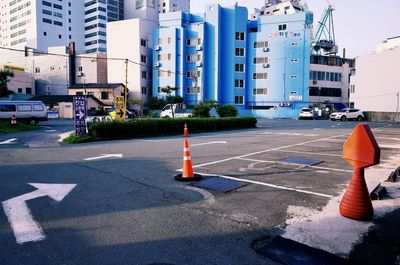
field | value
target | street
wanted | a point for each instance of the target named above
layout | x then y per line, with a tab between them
118	202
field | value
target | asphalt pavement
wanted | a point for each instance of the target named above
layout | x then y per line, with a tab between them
117	202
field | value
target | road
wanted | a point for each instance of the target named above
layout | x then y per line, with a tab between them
124	206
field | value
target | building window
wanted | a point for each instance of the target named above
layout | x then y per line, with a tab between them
191	74
59	36
143	42
239	36
260	44
294	44
192	90
260	76
104	95
143	58
58	23
239	100
294	76
80	68
239	83
48	21
144	90
194	58
45	33
193	42
45	3
47	12
162	74
260	60
37	70
239	67
19	90
144	74
164	41
29	91
164	57
260	91
295	60
282	27
239	52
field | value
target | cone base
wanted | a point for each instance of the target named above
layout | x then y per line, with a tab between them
196	177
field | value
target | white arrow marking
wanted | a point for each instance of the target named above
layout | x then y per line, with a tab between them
81	115
102	156
50	130
25	228
9	141
213	142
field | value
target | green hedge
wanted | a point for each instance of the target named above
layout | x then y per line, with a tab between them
157	127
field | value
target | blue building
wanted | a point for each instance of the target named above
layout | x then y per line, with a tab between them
261	67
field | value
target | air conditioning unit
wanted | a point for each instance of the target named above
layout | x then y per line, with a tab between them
157	48
157	64
198	48
266	65
199	64
80	73
266	49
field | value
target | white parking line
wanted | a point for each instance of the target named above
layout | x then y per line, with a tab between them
317	167
268	150
270	185
310	153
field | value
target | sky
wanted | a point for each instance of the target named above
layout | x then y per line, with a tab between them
359	25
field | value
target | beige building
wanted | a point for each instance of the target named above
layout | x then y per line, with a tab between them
375	85
106	93
21	82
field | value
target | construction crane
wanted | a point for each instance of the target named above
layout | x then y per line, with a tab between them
324	41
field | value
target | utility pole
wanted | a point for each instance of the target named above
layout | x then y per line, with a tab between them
397	108
126	87
194	77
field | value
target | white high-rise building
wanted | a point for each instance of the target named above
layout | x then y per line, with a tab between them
40	24
97	14
166	6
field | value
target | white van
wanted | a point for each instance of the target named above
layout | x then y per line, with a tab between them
30	111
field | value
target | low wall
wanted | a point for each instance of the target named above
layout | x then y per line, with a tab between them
382	116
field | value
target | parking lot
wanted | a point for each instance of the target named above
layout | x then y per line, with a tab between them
128	209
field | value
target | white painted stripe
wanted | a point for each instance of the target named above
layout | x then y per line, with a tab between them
311	153
268	150
271	185
185	149
186	158
213	142
325	168
9	141
208	197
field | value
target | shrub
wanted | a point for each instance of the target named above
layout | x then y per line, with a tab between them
201	110
174	99
155	103
227	111
156	127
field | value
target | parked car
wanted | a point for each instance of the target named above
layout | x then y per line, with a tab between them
306	113
347	114
175	111
29	111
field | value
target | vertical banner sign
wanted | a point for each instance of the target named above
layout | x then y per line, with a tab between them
79	111
119	109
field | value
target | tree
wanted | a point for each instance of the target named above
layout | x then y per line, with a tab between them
155	103
169	90
138	102
4	92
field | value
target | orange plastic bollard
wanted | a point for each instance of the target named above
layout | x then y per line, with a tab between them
361	151
185	131
187	169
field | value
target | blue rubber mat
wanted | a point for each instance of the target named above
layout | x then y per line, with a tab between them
301	161
219	184
288	252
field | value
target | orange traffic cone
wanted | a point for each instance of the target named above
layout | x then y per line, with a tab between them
13	120
187	170
361	151
185	131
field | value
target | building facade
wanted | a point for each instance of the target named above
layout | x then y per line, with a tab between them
374	85
97	14
40	24
166	6
21	82
261	67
